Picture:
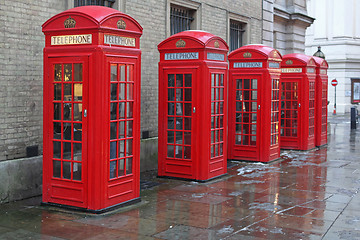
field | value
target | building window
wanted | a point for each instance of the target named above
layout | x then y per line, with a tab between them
237	30
355	90
106	3
180	19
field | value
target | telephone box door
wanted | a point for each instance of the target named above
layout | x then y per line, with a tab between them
66	139
179	130
247	112
290	107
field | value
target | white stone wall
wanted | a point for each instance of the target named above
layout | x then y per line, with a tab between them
337	30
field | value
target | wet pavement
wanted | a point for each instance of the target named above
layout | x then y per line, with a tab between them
307	195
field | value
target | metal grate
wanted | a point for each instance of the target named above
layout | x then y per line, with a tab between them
180	19
236	35
106	3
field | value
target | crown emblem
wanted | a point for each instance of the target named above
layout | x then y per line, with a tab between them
69	22
247	55
216	44
180	43
121	24
289	62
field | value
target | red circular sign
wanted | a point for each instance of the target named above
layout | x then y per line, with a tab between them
334	82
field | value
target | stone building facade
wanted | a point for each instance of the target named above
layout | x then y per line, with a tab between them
284	25
337	31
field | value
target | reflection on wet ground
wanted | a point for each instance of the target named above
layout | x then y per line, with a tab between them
307	195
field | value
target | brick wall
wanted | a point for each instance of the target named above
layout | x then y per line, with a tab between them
22	42
21	45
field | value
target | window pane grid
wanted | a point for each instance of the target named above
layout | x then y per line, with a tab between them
121	120
179	101
275	112
106	3
311	108
67	123
289	109
246	112
236	34
180	19
217	115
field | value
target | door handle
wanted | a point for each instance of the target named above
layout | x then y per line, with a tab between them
85	113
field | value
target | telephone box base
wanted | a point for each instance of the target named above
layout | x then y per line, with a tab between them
256	161
100	211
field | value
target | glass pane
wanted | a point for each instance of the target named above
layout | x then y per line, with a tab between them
77	111
113	91
171	137
188	109
113	130
122	129
129	147
179	109
67	170
246	83
67	72
78	72
113	111
57	169
187	125
112	169
171	108
130	74
171	123
67	131
57	91
57	73
77	152
113	72
121	148
122	73
188	94
130	91
179	94
122	91
254	83
239	84
112	150
121	110
129	129
78	92
77	171
179	80
121	171
57	111
187	80
57	130
129	109
179	123
187	152
178	152
179	139
67	92
171	94
129	165
170	151
57	150
187	138
66	150
171	80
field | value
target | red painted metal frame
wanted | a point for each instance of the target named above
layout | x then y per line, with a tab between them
321	101
297	110
262	63
95	192
202	165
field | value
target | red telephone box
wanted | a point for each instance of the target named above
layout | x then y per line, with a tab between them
297	94
254	78
192	106
321	101
91	109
